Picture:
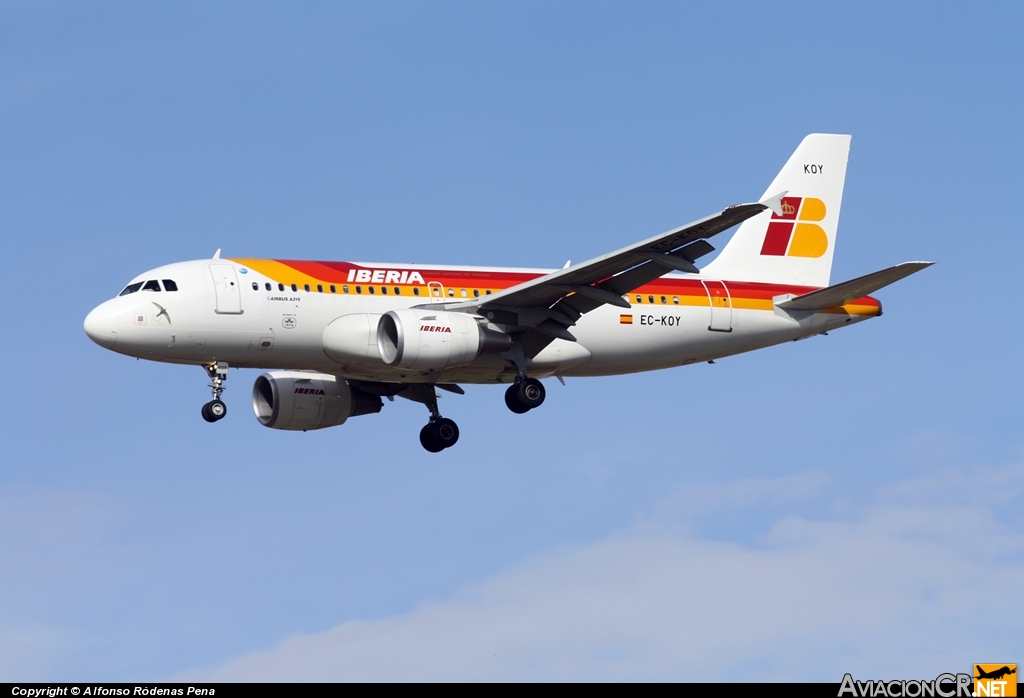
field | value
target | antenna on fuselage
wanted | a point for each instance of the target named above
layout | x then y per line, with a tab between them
216	255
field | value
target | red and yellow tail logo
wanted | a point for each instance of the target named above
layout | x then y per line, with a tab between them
790	236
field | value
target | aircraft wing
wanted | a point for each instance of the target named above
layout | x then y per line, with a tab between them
552	303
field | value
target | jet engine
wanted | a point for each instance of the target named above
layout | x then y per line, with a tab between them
420	338
300	400
351	339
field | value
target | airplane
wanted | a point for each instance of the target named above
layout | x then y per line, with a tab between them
337	337
995	674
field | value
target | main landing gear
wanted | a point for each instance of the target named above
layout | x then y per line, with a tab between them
440	432
215	410
525	394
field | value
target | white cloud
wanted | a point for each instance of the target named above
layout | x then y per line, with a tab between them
924	578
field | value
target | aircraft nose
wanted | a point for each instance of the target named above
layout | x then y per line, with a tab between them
100	326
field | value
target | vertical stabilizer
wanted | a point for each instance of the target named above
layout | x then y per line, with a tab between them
793	244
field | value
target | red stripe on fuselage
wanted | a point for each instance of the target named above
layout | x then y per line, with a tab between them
337	272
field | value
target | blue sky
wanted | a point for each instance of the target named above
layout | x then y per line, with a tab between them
847	503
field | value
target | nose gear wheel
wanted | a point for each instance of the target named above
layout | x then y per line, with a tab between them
214	411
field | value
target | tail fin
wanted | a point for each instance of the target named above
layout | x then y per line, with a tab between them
795	243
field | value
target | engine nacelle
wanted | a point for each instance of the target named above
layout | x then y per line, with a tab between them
420	338
299	400
352	339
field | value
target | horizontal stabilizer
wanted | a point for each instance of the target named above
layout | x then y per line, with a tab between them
839	294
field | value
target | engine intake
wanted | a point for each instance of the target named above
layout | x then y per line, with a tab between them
420	338
299	400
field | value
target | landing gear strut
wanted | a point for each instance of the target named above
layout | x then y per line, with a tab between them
440	432
216	410
525	394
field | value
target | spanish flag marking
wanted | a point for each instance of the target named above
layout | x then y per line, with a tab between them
625	319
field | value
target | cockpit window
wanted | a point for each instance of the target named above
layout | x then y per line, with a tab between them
153	285
130	288
169	285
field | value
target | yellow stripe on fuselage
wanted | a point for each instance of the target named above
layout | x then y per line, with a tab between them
281	273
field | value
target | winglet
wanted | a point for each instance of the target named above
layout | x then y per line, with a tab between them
216	255
774	203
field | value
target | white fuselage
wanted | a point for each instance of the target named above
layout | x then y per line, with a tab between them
222	311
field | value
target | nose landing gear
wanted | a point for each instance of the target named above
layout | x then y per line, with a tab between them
215	410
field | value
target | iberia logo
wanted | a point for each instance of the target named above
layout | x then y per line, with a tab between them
795	232
995	680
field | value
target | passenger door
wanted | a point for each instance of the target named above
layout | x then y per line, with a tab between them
721	306
225	283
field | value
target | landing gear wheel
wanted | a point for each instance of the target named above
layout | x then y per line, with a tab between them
429	440
214	411
512	400
446	432
531	393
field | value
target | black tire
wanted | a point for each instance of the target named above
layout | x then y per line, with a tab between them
218	410
531	393
429	440
206	413
446	432
512	400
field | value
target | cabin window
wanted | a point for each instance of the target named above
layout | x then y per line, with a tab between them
295	287
305	287
359	289
130	288
255	286
488	292
639	299
650	299
675	300
344	289
153	285
663	300
384	290
319	288
451	293
280	287
398	291
333	290
476	293
415	290
462	292
267	285
372	290
169	285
